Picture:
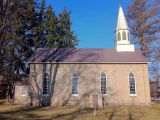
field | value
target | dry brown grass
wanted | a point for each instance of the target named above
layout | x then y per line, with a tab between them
16	112
7	108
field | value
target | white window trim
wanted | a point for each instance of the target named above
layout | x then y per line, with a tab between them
77	85
106	84
75	94
134	95
23	95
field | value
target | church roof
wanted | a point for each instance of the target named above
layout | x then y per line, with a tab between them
73	55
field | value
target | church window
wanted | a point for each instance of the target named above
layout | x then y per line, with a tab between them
24	92
46	84
124	35
119	36
132	84
103	83
74	84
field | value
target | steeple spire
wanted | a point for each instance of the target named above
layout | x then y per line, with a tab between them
121	22
122	33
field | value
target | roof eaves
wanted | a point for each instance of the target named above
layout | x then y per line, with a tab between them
87	62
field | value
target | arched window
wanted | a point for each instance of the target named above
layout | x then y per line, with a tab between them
46	84
119	36
124	35
132	84
75	83
103	83
128	36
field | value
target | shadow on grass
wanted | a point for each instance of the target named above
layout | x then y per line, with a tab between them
20	117
117	112
73	115
26	114
130	116
22	109
112	114
18	114
69	114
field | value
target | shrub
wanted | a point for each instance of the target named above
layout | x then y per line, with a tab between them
2	102
6	101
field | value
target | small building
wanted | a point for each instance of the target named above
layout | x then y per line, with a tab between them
93	77
21	95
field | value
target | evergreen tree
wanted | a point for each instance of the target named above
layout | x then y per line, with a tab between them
7	11
18	43
24	35
51	28
66	36
40	23
24	27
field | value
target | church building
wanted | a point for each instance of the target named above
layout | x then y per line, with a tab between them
90	77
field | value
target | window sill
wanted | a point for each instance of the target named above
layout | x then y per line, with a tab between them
23	95
75	95
133	95
104	94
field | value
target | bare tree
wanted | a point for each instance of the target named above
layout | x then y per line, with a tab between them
7	8
144	21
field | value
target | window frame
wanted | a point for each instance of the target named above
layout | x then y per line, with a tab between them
124	35
106	83
135	84
26	93
49	86
77	84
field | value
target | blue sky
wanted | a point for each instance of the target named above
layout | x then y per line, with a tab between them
94	21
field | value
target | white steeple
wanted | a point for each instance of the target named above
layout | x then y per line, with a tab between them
122	34
121	22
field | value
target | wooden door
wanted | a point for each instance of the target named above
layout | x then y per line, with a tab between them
95	101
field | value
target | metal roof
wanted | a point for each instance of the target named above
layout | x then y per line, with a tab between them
73	55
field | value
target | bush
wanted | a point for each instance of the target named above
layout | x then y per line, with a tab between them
5	101
2	102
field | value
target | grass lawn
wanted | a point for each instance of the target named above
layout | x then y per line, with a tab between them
16	112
